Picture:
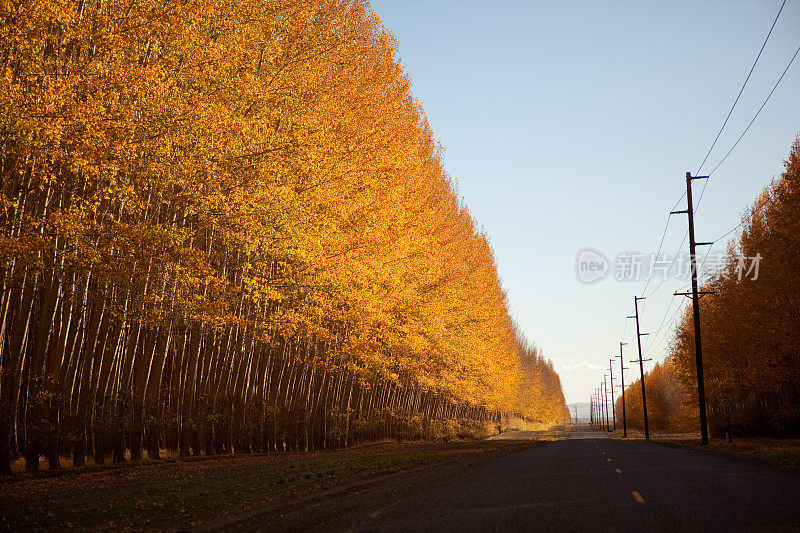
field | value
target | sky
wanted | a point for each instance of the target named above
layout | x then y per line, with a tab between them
570	125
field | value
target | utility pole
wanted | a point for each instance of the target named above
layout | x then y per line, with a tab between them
641	365
591	413
597	406
605	401
603	417
698	347
598	418
622	381
599	409
613	407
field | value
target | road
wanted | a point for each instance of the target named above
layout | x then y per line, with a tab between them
590	482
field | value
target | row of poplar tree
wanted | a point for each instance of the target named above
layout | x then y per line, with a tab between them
750	325
226	227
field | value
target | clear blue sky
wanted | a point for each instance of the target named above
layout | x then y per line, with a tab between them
571	124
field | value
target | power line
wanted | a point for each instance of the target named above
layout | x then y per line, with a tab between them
759	111
705	185
653	343
624	330
650	340
741	90
766	100
767	251
787	249
705	159
737	226
669	269
663	236
750	124
666	327
710	275
651	354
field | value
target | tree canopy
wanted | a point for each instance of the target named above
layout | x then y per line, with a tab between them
226	225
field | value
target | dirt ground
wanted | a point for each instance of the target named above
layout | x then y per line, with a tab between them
782	454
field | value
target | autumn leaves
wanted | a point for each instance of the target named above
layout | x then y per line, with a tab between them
749	324
226	227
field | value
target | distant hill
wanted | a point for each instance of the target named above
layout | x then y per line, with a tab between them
583	409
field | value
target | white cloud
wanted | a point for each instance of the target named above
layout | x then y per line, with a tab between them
582	366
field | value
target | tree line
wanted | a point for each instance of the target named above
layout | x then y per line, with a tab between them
226	227
749	330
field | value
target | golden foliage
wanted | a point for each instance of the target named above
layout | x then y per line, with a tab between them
749	329
216	211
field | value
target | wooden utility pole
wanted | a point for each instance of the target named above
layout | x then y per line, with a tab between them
605	401
641	364
613	407
622	382
600	409
596	411
698	346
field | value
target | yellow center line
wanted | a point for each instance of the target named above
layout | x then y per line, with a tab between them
637	496
617	470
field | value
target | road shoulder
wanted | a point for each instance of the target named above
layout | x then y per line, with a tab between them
778	454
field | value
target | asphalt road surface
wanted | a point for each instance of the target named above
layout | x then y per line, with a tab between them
592	483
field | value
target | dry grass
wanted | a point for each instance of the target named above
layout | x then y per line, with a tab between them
176	493
783	454
658	434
